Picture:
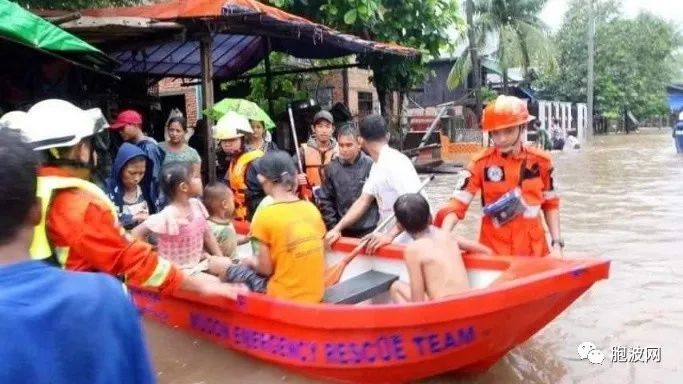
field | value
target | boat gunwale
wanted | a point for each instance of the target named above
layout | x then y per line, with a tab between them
498	296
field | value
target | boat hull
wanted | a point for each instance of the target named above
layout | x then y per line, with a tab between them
513	299
678	140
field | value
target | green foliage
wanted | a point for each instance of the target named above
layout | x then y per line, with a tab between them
522	37
74	4
634	61
285	87
488	94
421	24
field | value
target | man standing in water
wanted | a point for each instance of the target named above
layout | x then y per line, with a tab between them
516	184
57	326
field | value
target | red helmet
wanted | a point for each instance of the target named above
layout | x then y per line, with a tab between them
505	112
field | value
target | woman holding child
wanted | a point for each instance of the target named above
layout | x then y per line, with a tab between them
290	261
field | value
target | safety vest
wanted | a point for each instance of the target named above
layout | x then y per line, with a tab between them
41	248
237	176
315	159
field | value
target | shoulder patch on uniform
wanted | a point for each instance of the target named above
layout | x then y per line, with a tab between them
540	153
483	153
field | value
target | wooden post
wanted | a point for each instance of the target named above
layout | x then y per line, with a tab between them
345	86
269	81
474	56
206	53
590	79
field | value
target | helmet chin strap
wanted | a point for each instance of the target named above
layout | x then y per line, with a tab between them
510	148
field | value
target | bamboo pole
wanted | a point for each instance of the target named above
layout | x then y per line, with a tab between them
206	50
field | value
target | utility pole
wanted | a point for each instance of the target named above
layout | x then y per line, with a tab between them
474	56
590	77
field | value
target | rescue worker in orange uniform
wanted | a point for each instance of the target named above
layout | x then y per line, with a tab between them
241	176
319	151
79	229
516	184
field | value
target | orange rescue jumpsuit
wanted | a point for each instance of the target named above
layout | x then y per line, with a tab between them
495	174
85	227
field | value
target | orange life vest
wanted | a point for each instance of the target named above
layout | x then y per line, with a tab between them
237	176
314	161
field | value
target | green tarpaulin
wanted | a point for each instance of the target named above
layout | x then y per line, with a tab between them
23	27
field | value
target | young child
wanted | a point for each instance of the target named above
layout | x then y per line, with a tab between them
433	259
219	202
123	186
290	261
182	229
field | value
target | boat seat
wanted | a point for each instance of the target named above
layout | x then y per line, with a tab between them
360	288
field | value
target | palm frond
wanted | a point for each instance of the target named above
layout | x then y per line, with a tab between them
461	68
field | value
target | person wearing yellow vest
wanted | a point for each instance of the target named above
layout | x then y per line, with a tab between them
241	176
319	151
79	229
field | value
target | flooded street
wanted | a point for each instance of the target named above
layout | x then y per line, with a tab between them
621	199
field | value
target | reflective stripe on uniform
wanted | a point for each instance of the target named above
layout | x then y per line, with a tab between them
160	273
549	195
463	197
47	185
532	211
62	254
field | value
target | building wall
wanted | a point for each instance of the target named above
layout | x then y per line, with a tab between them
170	86
359	81
434	89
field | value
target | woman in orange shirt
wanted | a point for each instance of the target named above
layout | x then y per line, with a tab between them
290	261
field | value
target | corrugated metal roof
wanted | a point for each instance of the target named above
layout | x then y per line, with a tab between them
243	31
232	55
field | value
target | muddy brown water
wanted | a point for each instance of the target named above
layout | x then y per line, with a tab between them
621	199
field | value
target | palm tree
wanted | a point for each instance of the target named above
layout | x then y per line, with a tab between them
521	37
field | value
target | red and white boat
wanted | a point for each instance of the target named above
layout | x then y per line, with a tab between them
374	342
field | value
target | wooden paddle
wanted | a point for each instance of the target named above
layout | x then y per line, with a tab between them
334	273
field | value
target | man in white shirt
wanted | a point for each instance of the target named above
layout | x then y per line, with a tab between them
391	176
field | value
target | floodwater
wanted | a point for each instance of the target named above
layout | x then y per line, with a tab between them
621	199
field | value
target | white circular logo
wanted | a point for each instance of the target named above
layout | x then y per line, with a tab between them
494	173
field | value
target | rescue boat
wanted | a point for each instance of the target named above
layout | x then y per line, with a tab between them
370	341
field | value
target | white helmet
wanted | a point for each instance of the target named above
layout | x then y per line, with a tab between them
231	126
56	123
13	120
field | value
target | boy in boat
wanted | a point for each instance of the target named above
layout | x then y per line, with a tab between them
220	204
435	267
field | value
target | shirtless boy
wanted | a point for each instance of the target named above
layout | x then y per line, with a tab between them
435	266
